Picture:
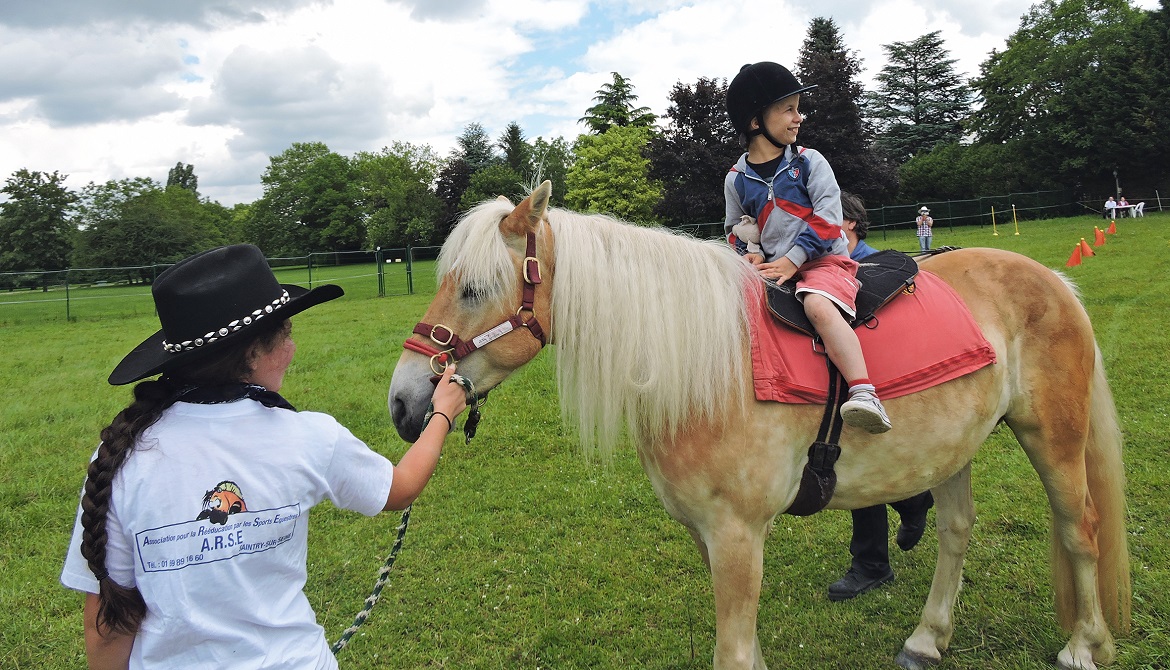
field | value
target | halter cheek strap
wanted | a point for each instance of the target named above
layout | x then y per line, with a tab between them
446	338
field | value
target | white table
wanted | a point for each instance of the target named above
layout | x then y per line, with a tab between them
1121	211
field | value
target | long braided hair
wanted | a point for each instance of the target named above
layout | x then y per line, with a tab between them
122	608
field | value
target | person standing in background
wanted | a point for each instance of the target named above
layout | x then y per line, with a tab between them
925	227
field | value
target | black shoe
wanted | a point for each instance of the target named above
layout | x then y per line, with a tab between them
913	526
854	584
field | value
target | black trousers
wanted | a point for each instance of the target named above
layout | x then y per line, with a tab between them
870	545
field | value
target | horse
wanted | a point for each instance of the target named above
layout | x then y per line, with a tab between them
651	336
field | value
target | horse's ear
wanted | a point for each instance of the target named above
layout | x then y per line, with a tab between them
528	214
503	198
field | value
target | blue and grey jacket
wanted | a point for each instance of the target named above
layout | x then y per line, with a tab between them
798	209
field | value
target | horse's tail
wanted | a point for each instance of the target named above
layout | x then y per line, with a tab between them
1106	482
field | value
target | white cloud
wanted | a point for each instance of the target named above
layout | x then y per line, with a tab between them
108	89
298	92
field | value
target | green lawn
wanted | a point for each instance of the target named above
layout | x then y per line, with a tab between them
523	553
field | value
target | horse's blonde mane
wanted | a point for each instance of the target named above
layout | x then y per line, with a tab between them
649	325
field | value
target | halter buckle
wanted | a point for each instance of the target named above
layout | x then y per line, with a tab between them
529	261
450	335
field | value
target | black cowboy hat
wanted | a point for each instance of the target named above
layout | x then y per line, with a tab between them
206	300
755	87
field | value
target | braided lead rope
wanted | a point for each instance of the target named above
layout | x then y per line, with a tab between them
383	576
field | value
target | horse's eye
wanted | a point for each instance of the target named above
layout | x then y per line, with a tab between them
472	294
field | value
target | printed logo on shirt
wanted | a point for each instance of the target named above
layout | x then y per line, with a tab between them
226	498
213	536
794	172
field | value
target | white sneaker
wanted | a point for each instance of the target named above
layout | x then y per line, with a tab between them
863	410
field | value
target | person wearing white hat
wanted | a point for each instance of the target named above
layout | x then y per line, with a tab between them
190	541
925	225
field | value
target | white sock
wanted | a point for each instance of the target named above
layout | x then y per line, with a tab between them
862	387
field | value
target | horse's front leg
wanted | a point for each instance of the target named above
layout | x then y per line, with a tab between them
734	551
955	516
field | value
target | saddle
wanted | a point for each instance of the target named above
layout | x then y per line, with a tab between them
883	275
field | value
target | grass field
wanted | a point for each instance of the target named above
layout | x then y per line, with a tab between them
522	553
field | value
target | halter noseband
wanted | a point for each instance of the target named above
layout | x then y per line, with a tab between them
459	348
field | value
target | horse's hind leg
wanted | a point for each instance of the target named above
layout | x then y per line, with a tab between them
1056	448
734	552
955	514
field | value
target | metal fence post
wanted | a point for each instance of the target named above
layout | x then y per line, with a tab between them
381	272
310	264
409	269
67	315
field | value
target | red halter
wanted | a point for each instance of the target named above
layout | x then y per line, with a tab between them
458	347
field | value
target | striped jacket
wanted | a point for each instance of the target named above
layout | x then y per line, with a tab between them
798	209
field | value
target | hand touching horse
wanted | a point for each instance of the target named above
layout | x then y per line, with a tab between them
651	340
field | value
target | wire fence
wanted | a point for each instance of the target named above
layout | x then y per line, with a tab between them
990	211
125	291
90	293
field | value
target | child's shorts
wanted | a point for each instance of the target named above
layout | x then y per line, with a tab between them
832	276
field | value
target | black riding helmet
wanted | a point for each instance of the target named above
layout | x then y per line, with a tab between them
755	87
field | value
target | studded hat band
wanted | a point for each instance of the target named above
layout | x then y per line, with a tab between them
232	327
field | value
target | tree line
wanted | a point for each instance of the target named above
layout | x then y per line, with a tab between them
1078	96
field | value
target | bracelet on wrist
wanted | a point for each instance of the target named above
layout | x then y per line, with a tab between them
450	425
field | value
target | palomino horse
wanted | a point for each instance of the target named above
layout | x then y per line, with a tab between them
651	342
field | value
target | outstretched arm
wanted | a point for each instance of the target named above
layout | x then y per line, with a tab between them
418	463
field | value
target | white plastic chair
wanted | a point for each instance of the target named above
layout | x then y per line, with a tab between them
1140	209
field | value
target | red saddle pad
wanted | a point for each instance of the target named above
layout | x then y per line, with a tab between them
921	339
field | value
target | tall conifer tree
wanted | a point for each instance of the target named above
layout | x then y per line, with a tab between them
833	120
921	101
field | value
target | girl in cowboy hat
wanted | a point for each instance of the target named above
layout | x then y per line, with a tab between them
793	195
190	539
925	225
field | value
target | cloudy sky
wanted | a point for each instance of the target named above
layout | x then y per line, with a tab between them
114	89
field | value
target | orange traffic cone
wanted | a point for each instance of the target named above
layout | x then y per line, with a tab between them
1075	259
1112	230
1099	237
1086	250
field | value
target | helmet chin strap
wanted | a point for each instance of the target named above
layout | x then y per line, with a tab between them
775	142
760	129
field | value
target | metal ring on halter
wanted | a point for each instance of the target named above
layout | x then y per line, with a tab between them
450	335
442	366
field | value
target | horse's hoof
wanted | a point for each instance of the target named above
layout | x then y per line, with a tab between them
912	661
1065	661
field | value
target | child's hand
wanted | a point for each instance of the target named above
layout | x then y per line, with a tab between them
449	398
779	271
754	259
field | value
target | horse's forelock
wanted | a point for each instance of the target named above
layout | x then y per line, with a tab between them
475	252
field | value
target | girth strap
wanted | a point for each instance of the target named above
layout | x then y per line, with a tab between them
818	481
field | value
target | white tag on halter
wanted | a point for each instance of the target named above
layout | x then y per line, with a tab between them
493	334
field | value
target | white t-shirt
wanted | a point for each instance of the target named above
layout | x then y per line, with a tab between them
209	519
